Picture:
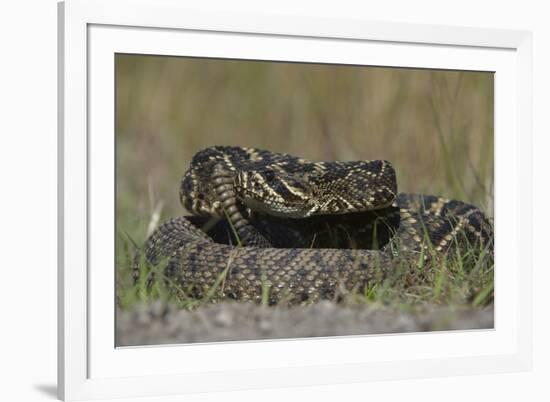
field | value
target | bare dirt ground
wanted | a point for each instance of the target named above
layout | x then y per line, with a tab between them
164	324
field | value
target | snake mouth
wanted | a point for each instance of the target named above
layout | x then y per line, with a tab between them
271	206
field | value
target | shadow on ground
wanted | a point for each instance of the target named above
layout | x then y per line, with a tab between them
47	389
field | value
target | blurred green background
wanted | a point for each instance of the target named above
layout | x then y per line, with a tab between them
436	127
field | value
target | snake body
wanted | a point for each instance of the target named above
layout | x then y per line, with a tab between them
273	224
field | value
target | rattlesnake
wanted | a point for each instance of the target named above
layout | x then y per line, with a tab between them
267	223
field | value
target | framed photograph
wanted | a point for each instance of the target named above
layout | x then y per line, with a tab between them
244	197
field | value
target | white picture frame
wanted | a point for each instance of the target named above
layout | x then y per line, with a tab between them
91	32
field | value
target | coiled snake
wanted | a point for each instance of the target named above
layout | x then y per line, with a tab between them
300	230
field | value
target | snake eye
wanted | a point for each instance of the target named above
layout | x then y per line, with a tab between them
269	175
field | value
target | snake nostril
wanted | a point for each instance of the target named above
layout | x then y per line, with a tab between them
269	175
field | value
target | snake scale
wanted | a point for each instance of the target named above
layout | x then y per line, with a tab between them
300	230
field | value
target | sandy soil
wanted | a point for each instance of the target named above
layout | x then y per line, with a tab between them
162	324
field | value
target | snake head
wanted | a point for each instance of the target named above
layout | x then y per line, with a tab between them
276	193
318	189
